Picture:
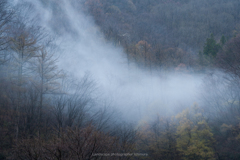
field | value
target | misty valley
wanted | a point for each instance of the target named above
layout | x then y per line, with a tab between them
119	80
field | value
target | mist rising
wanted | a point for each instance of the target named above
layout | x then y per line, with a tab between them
137	93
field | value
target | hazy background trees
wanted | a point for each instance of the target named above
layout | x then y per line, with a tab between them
166	24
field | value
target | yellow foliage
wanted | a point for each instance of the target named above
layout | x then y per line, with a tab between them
225	127
195	138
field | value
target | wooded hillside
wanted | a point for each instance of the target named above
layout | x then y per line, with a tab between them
45	113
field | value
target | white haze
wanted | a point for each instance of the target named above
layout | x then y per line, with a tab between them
138	94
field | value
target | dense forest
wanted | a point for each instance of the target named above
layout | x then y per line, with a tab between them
47	113
165	32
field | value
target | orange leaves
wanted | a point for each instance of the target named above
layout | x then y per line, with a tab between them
144	44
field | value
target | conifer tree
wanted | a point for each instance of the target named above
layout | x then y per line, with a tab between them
211	47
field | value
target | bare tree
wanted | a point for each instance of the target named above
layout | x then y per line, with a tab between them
73	104
24	46
6	15
47	78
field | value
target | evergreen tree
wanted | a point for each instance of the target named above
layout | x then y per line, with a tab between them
211	47
223	40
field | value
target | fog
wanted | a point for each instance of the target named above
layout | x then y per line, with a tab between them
138	94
